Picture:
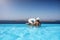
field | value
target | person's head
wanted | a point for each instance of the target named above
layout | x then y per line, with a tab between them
38	21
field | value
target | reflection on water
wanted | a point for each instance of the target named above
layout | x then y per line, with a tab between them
24	32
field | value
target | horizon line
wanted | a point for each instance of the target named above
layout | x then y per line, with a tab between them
24	22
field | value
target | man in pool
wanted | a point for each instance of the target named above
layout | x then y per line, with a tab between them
34	22
37	23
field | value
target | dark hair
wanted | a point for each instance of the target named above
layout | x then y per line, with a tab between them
38	21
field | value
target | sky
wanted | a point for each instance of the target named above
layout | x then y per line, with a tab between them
46	10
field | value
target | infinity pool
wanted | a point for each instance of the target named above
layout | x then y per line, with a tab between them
26	32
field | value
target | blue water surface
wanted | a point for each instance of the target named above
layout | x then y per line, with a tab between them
26	32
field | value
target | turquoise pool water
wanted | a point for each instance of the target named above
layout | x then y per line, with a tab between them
26	32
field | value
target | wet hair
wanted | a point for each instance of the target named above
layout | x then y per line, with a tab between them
38	21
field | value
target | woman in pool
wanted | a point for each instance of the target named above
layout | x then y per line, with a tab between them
34	22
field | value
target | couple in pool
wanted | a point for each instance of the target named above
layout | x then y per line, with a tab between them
34	21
